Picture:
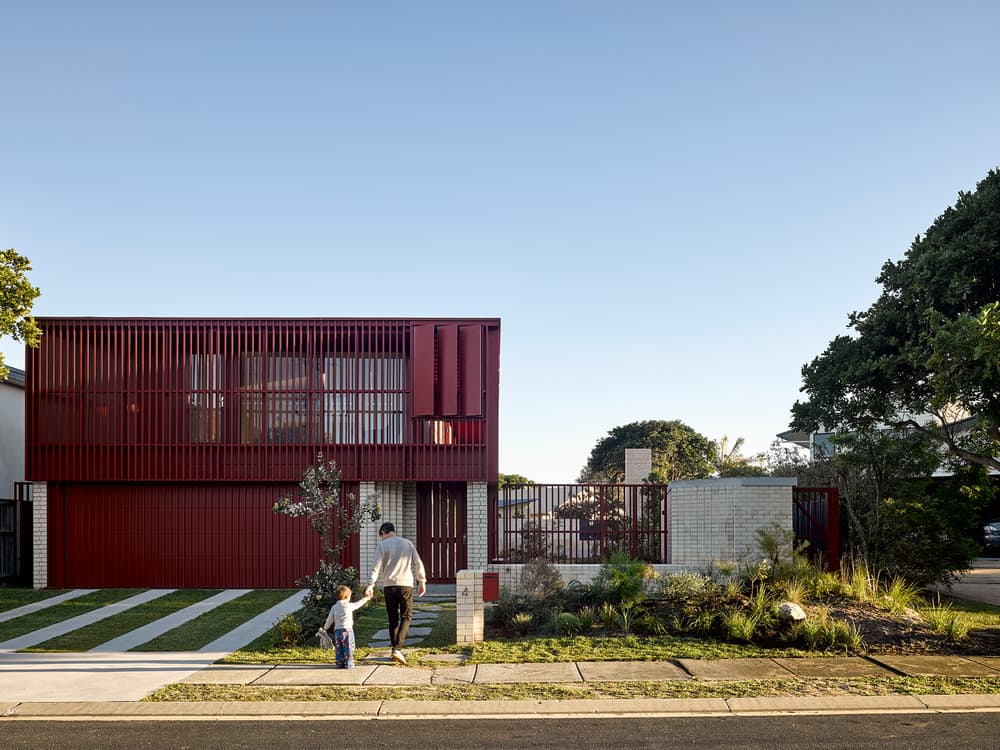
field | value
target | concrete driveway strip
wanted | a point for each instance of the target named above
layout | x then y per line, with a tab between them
97	677
159	627
242	635
27	609
74	623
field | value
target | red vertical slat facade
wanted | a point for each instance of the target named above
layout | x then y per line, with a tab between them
165	442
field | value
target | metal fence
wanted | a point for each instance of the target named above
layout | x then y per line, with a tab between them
579	523
15	536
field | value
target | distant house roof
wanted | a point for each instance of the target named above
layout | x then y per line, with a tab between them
501	503
15	377
794	436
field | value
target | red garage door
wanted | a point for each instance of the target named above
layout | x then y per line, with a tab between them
177	536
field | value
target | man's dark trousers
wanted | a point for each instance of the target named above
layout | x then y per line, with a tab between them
399	608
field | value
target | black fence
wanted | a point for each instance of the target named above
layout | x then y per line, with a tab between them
579	523
16	537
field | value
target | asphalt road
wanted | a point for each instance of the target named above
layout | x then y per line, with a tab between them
882	731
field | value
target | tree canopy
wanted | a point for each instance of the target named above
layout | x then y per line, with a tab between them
17	297
678	452
512	479
926	354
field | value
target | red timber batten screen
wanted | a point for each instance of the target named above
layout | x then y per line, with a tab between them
165	442
154	400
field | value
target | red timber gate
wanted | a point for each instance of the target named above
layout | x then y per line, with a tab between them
816	520
441	536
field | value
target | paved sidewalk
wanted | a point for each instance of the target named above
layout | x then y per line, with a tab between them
454	672
562	673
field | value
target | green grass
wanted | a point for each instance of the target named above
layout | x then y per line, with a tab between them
367	622
205	628
797	687
12	598
63	611
614	648
979	615
100	632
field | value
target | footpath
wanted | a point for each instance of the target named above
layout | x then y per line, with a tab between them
104	684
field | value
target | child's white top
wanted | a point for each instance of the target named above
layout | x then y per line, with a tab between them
342	613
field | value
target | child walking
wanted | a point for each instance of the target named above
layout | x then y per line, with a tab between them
342	617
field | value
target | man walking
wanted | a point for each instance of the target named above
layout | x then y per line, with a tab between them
397	564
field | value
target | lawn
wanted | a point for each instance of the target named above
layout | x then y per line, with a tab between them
215	623
12	598
90	636
62	611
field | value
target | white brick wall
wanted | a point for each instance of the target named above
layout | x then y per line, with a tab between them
710	520
717	519
476	526
409	513
369	534
40	539
397	503
469	608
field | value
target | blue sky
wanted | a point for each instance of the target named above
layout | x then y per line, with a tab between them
671	206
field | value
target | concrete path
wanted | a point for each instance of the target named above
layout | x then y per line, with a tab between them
108	675
75	623
93	677
155	629
249	630
27	609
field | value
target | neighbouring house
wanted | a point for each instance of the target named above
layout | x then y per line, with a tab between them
11	431
157	447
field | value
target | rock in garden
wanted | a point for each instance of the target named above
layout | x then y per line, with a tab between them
791	612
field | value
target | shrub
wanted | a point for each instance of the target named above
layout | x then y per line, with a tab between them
687	586
608	615
622	580
540	580
944	620
286	631
739	626
567	623
900	596
822	633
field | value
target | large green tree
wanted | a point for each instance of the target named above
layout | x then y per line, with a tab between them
896	519
929	345
17	297
678	452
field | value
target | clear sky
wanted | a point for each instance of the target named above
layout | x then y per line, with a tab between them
671	206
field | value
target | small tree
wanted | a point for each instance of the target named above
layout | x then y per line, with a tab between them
335	519
17	296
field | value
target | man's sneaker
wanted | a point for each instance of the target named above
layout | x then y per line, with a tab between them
397	656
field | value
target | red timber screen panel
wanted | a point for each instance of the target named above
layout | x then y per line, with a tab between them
186	400
470	344
423	370
179	536
447	371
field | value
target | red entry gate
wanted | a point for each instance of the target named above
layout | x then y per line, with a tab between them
441	539
816	520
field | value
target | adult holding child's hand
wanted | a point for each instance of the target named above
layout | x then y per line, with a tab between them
397	566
